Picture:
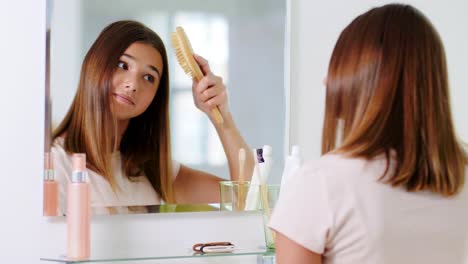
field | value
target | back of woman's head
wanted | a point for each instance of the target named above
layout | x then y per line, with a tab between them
387	83
90	126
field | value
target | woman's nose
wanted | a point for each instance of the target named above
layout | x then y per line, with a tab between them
130	82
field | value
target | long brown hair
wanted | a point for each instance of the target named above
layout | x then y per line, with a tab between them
387	82
90	127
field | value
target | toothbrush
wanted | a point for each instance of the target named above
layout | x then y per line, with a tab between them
252	194
241	165
264	195
184	54
268	161
263	191
241	193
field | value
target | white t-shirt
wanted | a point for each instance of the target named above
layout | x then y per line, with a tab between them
131	196
337	207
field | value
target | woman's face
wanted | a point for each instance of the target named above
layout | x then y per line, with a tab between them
136	80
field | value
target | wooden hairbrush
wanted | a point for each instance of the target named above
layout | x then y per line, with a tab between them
184	54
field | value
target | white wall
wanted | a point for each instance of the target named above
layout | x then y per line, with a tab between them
22	49
64	78
316	28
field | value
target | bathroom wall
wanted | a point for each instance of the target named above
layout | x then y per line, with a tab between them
22	46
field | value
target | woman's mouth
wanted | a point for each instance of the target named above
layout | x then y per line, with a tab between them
123	99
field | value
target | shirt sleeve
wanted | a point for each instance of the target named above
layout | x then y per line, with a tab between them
302	212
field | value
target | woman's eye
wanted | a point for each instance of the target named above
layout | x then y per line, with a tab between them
149	78
122	65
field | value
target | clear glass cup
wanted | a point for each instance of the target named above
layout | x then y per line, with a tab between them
236	196
269	195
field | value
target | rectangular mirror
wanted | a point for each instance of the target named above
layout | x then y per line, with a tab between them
243	40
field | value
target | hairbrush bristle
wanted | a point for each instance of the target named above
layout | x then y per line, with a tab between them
179	54
184	54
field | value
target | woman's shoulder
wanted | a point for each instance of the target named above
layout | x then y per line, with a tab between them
58	150
336	167
57	146
58	142
333	162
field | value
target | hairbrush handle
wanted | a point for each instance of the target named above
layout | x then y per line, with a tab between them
184	55
198	75
217	115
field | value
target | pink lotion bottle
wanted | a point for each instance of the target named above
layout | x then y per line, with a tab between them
50	202
78	211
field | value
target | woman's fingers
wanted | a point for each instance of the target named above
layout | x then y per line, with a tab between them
205	83
210	91
203	63
215	101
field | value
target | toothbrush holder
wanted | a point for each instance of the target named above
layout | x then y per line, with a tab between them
236	196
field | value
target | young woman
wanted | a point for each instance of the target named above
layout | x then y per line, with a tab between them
392	191
120	119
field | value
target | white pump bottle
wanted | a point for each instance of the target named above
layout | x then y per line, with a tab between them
291	165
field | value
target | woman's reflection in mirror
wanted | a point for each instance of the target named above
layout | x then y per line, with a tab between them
119	117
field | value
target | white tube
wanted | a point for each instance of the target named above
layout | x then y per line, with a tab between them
291	165
252	198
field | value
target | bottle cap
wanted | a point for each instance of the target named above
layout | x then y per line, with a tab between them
267	150
79	167
260	155
79	161
48	161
